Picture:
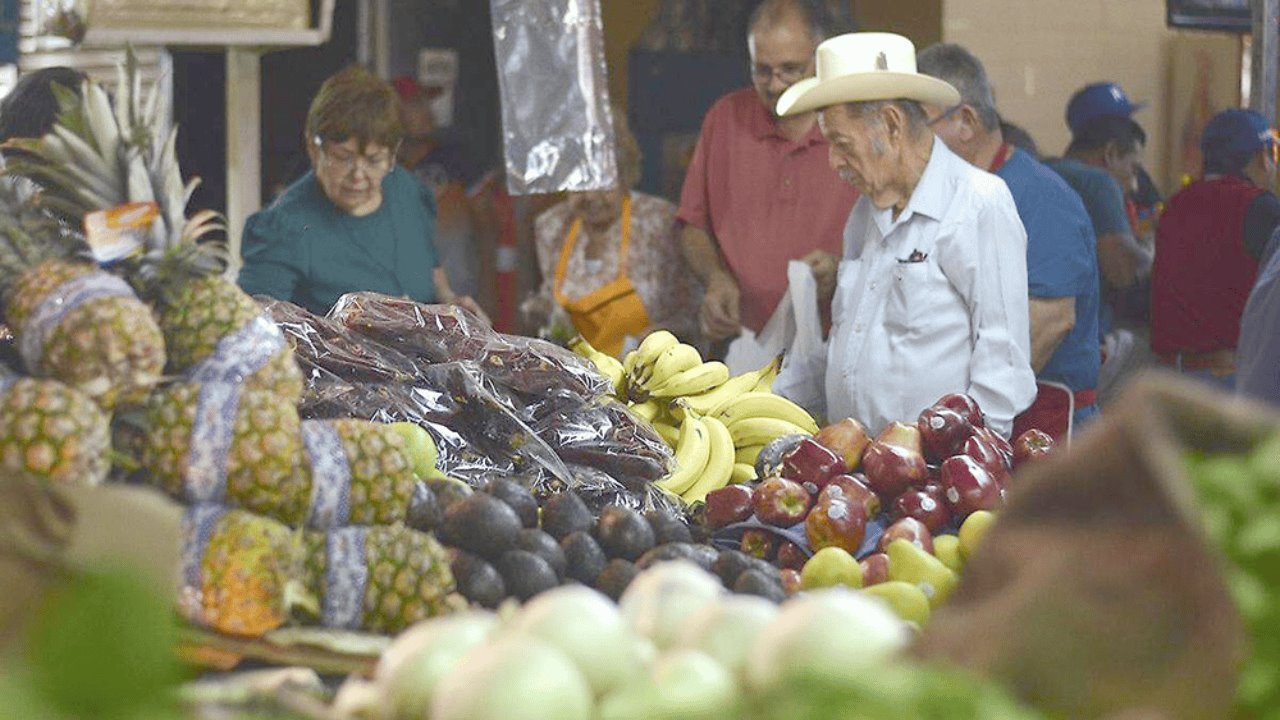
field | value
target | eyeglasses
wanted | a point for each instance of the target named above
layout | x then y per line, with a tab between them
788	73
373	166
946	114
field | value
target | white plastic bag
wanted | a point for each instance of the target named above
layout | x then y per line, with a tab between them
804	366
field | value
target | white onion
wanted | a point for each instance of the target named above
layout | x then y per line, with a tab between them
692	686
409	671
586	626
661	598
516	677
726	630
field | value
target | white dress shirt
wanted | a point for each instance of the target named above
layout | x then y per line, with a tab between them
933	302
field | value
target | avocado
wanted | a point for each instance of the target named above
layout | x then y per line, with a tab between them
733	563
544	546
481	524
585	558
526	574
448	490
703	556
667	528
565	513
758	582
425	512
623	533
615	577
477	580
517	496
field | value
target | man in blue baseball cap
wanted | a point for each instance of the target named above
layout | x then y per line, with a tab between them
1208	245
1098	100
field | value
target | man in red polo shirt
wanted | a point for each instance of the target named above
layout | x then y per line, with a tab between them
1207	248
759	191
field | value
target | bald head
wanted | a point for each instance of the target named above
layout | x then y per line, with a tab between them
793	14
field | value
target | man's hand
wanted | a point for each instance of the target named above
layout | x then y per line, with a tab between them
720	316
824	266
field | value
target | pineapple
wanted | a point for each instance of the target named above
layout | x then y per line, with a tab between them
51	431
262	455
73	322
242	574
381	578
378	468
99	156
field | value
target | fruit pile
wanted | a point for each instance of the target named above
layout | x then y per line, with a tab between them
674	647
505	543
716	424
1239	498
903	509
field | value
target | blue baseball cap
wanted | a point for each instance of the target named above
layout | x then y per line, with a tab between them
1236	133
1098	100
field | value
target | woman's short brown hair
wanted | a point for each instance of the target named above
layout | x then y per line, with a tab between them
355	103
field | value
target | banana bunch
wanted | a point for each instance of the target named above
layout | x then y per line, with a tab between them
704	459
608	365
664	367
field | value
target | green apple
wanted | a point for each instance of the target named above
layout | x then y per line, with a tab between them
907	562
947	549
906	600
829	567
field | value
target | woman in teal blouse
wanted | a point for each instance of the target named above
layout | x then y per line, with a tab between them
357	221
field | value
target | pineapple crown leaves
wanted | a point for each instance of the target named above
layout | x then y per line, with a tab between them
29	235
101	154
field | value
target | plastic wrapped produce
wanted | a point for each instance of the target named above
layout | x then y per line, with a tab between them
606	436
321	343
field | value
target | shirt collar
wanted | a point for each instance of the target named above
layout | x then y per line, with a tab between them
930	196
764	125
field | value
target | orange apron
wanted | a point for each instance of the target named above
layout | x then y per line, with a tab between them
608	315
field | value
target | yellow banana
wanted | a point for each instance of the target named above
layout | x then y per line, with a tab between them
692	451
609	366
768	374
629	362
747	455
670	434
719	468
673	361
762	430
706	403
742	472
763	404
653	345
696	380
581	346
646	410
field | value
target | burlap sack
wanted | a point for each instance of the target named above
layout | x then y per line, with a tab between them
1096	594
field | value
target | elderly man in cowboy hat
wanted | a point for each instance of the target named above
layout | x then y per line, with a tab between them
931	290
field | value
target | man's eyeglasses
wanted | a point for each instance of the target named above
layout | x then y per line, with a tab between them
788	73
946	114
373	165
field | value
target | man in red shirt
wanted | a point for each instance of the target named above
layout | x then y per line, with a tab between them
759	191
1207	248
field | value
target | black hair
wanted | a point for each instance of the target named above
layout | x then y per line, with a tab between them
31	108
1018	137
1126	134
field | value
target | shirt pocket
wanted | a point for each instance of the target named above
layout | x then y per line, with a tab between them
910	296
847	276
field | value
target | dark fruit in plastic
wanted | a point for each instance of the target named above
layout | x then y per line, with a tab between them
518	497
481	524
526	574
623	533
667	528
615	577
585	560
565	513
544	546
478	581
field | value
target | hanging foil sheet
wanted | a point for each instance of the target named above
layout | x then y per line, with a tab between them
557	129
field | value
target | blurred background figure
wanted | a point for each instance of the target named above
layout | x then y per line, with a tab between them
611	263
1208	244
29	110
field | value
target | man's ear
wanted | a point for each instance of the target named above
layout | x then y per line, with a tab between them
1111	153
969	128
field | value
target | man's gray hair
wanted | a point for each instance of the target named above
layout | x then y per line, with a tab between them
917	118
773	12
950	62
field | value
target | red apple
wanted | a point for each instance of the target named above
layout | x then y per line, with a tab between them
727	505
965	405
943	431
903	436
781	502
759	543
929	508
811	465
791	556
847	438
983	452
969	486
1001	445
911	530
890	470
875	569
1032	445
790	581
853	490
835	523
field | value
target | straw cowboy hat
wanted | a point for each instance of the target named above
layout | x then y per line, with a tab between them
863	67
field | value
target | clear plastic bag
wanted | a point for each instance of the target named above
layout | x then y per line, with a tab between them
606	436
